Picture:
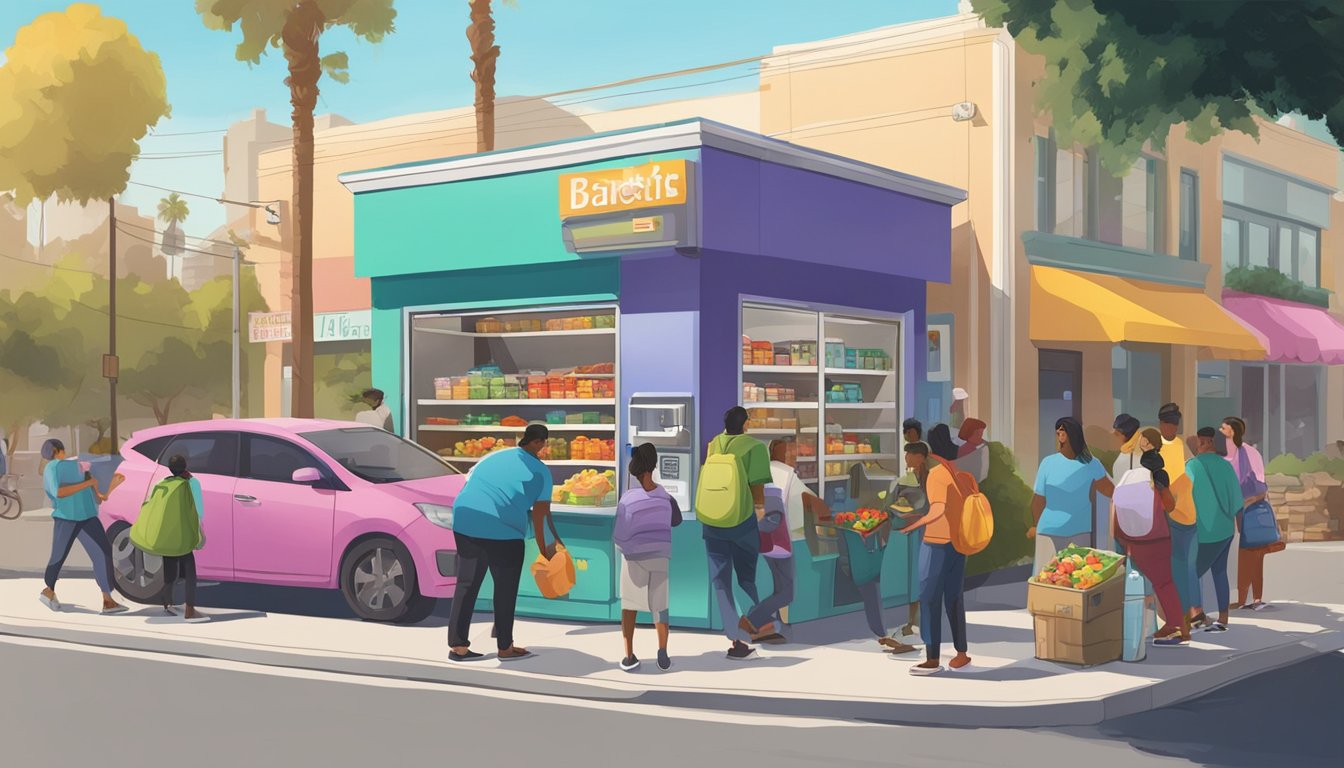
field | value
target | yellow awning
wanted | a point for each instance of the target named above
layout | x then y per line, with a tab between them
1068	306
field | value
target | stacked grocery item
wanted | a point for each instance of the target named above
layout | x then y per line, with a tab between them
760	420
848	444
845	392
789	353
769	393
489	383
579	323
589	488
1076	603
838	355
582	417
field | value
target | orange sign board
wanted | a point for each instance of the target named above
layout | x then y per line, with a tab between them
623	189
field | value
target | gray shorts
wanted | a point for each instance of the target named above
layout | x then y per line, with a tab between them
644	586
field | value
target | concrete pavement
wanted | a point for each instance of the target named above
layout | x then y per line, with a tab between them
78	705
832	667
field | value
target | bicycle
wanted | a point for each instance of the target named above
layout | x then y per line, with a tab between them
11	506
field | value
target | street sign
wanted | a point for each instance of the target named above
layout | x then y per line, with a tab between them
268	326
355	325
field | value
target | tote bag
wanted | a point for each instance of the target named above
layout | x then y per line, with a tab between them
555	577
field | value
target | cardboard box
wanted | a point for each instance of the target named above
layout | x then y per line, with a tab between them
1071	641
1050	600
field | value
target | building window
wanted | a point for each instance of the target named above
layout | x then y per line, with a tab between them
1070	193
1231	244
1189	244
1252	239
1137	378
1126	207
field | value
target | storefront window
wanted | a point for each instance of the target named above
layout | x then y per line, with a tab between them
1071	193
1289	247
1302	414
1136	381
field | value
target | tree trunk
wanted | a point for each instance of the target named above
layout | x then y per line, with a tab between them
484	52
300	36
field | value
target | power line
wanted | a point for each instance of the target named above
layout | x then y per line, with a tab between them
221	200
228	243
49	266
186	133
161	245
134	319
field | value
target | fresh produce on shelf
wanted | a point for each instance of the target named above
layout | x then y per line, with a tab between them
439	421
1079	568
588	488
474	449
513	421
862	520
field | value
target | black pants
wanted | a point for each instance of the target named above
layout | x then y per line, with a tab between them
504	560
183	567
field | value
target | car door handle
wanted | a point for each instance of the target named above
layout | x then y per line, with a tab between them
250	501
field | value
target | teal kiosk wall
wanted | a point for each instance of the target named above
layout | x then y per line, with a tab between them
759	218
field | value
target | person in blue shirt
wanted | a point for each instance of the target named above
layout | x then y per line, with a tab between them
1062	507
74	515
490	518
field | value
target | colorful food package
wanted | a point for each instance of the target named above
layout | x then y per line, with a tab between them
513	421
489	325
1079	568
862	520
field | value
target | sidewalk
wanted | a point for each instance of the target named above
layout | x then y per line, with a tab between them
846	679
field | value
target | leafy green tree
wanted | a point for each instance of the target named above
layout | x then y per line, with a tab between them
1120	73
296	27
77	94
36	350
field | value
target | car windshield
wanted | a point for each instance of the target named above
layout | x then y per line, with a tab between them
377	456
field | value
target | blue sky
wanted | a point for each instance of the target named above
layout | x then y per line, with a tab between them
547	45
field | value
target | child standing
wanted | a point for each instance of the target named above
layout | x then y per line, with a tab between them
645	518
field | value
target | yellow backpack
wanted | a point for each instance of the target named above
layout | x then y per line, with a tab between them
969	515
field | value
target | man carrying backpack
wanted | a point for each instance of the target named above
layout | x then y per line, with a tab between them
729	499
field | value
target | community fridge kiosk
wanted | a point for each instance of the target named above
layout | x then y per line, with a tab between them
556	282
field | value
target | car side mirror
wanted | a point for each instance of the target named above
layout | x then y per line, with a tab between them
306	476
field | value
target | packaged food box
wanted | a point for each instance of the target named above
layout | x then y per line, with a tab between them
538	391
555	417
489	325
591	417
461	393
443	394
574	418
851	358
788	423
606	321
606	418
481	392
774	423
443	382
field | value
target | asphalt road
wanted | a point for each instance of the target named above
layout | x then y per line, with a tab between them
69	705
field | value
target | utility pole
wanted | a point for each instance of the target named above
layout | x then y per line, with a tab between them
237	371
110	359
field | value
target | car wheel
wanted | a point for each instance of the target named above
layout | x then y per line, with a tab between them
138	576
378	580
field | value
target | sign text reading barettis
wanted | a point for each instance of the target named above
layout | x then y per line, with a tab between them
623	189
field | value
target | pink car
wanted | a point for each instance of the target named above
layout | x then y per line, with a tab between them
300	502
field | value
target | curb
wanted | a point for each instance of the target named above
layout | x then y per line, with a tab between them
1023	714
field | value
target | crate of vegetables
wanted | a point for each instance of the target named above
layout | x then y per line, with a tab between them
863	535
1078	583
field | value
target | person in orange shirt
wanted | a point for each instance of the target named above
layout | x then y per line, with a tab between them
942	569
1184	533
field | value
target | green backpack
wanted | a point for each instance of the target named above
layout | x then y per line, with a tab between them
719	492
168	524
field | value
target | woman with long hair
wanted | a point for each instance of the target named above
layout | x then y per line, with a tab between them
1151	553
1061	510
1250	468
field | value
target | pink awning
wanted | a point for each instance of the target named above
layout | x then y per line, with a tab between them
1291	332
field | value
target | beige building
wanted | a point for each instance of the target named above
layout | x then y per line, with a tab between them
1072	292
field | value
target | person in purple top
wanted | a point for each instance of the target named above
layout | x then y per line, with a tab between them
645	517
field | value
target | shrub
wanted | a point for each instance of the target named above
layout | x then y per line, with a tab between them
1010	496
1263	281
1288	464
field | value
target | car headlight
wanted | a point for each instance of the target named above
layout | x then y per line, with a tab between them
437	514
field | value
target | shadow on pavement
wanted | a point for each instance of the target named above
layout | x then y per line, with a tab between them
1271	719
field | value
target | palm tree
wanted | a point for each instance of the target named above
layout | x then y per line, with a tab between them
484	53
173	211
296	27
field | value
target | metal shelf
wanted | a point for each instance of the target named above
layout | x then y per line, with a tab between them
548	462
858	372
781	406
860	406
861	457
796	369
520	334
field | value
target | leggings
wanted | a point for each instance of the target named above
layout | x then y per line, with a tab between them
1250	574
183	566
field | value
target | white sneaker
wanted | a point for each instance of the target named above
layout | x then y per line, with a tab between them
50	602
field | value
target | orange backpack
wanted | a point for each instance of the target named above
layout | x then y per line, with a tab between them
969	515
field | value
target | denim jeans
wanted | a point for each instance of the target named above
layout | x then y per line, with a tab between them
729	557
94	539
942	573
781	575
1212	558
1184	553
